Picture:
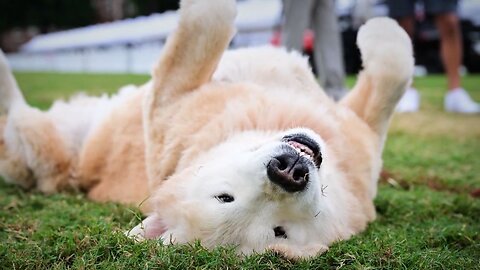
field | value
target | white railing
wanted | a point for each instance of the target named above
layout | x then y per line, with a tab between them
108	47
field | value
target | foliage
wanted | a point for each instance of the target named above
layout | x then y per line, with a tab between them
45	14
61	14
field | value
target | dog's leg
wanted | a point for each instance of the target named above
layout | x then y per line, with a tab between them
31	139
188	61
298	252
34	153
388	68
13	168
192	53
9	92
31	151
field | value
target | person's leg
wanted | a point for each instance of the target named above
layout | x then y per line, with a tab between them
328	54
297	15
404	12
408	24
451	47
448	24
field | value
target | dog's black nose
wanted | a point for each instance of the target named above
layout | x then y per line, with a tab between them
289	170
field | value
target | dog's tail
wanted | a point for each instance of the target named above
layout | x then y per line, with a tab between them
388	68
9	92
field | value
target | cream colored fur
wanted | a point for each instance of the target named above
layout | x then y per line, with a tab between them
208	124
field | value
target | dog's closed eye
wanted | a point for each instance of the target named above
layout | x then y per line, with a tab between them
225	198
280	232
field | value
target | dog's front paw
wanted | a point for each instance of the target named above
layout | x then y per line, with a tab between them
297	252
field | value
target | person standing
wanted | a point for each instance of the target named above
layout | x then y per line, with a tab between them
328	53
447	22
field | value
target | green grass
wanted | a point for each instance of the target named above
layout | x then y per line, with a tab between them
427	218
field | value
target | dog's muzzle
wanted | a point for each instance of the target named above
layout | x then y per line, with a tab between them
290	169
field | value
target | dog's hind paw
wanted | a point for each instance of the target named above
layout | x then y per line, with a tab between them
385	46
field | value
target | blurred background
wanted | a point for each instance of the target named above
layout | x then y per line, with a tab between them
126	36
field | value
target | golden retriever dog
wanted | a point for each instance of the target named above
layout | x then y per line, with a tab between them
237	148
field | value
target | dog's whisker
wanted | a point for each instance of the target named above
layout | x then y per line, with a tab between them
322	189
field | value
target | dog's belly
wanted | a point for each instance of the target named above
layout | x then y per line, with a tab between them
111	164
77	118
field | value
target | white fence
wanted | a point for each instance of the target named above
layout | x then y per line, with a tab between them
138	58
112	59
132	45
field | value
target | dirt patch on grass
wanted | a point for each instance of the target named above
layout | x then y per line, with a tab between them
432	182
433	123
475	193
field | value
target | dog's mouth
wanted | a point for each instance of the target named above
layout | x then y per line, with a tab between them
305	147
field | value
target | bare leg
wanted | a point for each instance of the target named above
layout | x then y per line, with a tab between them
408	24
457	99
410	101
451	47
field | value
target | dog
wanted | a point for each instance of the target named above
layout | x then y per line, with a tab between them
237	148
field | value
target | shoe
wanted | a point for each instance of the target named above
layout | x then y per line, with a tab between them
410	102
459	101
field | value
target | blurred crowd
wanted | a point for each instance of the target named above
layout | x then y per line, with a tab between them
445	40
320	16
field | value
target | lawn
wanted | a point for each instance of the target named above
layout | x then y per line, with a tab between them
428	212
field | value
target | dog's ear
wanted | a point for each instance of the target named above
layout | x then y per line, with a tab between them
150	228
388	68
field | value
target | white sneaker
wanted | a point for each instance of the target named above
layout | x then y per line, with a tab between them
459	101
410	102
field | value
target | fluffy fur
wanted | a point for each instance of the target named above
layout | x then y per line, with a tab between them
208	125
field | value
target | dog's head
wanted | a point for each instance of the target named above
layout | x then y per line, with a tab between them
258	190
254	191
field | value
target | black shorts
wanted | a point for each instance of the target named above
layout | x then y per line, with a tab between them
406	8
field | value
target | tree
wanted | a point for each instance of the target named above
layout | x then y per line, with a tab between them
45	14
